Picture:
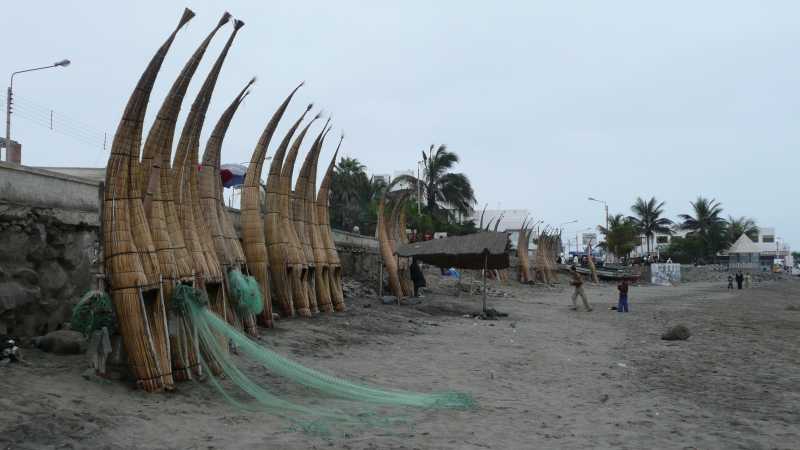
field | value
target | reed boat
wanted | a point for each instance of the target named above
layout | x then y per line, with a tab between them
124	225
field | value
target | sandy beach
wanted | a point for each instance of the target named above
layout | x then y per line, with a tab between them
544	377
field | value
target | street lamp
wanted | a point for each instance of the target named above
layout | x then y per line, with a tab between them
604	203
10	95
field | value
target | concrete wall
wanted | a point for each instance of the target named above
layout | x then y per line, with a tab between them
50	247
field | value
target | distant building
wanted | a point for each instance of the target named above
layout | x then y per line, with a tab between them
385	177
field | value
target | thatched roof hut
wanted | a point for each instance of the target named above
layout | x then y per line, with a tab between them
464	252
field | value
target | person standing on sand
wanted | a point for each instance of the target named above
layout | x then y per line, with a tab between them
622	306
748	281
417	277
739	280
577	281
730	281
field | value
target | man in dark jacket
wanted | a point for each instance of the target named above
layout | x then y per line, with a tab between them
417	277
622	306
739	280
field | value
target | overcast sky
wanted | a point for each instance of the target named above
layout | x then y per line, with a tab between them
546	103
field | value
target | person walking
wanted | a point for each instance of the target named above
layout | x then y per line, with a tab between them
622	306
730	281
417	277
748	281
577	282
739	280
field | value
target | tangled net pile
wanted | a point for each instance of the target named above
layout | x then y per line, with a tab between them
93	312
208	327
246	293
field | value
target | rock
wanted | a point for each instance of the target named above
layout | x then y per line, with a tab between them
389	299
27	276
14	295
676	333
63	342
52	277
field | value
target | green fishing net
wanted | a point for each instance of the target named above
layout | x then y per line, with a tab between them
246	292
93	312
208	327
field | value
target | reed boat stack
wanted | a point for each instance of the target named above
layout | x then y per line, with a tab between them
166	228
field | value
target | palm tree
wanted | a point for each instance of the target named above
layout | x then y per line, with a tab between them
706	223
621	236
440	187
648	218
352	191
739	226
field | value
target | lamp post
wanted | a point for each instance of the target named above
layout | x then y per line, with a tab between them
10	95
560	231
605	204
606	208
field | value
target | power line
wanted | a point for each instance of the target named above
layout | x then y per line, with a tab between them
32	112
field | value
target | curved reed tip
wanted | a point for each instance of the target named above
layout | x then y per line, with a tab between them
187	16
226	16
310	105
237	24
252	80
317	116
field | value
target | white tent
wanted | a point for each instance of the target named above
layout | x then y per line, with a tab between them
744	253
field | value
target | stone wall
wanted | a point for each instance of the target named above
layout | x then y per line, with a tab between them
49	247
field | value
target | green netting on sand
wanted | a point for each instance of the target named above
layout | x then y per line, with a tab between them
93	312
246	292
208	327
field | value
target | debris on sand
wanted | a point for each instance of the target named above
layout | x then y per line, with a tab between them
676	333
62	342
489	314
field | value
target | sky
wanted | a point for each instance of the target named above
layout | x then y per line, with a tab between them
546	103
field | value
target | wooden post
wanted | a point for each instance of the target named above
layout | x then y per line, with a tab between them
485	265
380	280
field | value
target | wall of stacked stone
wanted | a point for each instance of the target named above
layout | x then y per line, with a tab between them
50	248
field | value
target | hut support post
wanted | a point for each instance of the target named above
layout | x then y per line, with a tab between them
380	280
485	265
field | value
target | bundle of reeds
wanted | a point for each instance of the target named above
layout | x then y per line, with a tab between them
173	257
303	222
210	193
592	267
395	233
321	266
387	252
522	253
297	259
185	190
253	234
123	225
326	234
280	249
